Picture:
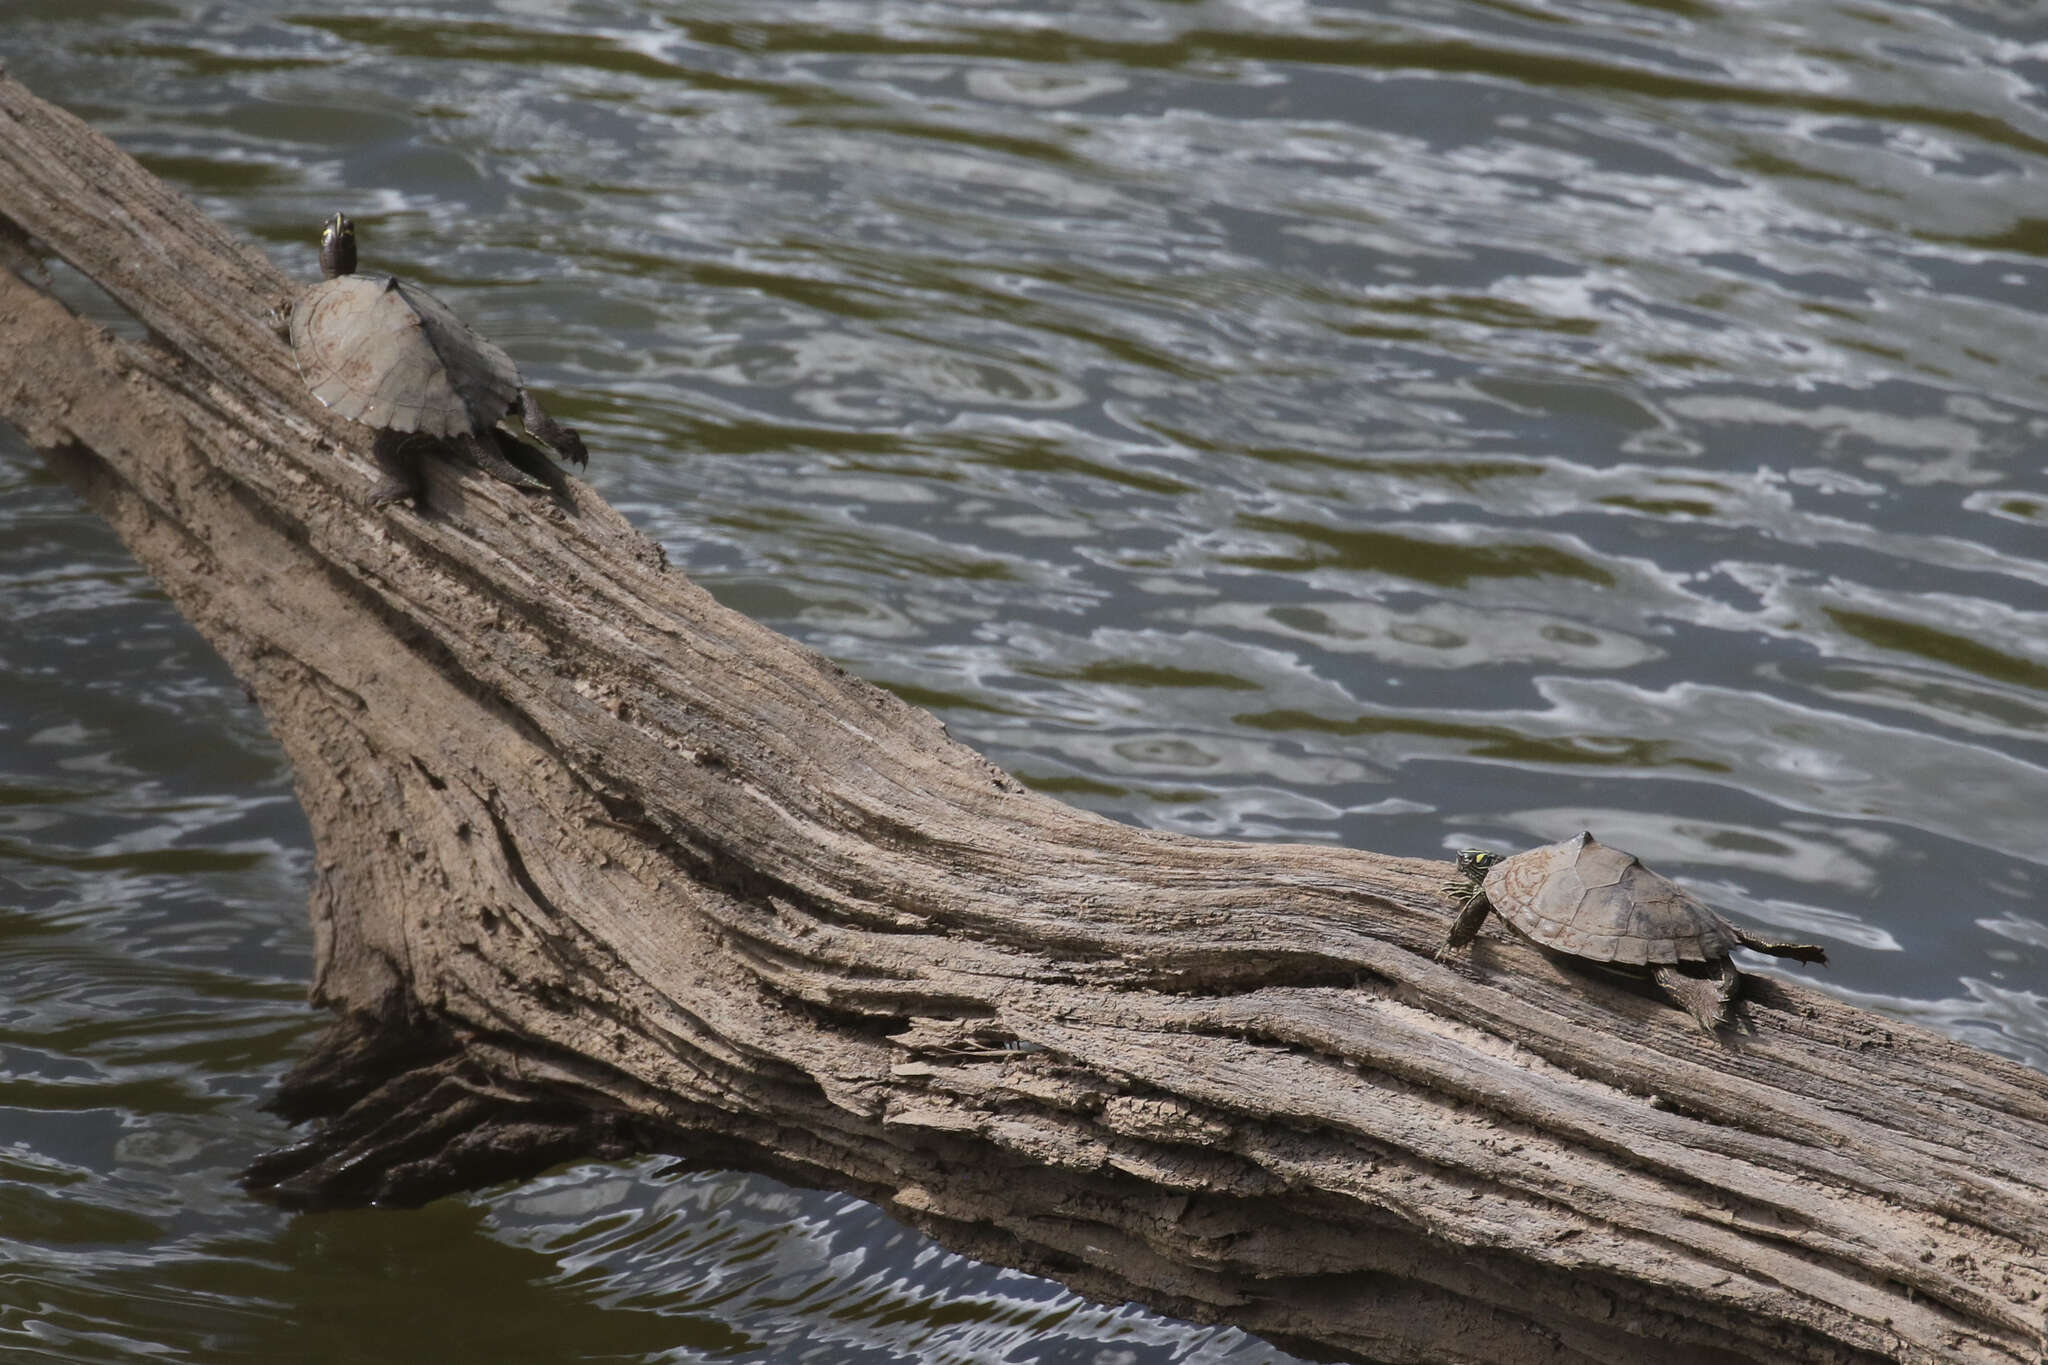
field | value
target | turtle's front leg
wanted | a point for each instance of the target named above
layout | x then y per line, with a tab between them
398	460
562	439
1465	927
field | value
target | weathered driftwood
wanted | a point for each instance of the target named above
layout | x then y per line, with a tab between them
605	867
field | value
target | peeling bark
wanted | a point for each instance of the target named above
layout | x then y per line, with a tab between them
604	867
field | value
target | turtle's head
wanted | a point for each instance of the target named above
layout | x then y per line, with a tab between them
338	247
1475	863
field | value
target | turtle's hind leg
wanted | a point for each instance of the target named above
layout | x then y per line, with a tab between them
1804	952
398	460
563	439
1705	998
1465	927
483	451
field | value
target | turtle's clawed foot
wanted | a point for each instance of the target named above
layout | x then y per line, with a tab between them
484	453
562	439
389	491
1799	952
398	460
1706	999
1472	913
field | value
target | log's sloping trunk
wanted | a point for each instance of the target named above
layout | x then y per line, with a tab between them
605	867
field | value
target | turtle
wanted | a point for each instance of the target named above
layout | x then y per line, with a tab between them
1588	900
386	353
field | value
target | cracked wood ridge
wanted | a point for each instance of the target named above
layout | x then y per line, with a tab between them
604	867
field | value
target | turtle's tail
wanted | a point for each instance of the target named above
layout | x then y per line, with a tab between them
1804	952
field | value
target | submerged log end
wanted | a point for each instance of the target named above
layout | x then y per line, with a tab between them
405	1117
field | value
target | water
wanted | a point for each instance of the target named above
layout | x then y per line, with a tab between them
1406	425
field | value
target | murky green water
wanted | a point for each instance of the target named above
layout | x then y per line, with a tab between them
1410	425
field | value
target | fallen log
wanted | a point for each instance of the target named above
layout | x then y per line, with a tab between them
604	867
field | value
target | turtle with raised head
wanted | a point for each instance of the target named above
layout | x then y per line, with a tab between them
388	354
1585	899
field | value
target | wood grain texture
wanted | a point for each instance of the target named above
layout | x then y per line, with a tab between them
603	866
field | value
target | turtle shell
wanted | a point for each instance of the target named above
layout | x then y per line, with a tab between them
1584	898
391	355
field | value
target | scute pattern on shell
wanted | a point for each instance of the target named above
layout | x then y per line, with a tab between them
389	354
1580	896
